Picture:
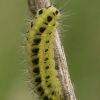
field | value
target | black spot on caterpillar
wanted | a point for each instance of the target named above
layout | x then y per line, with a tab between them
36	70
46	50
35	50
47	77
57	12
41	11
40	53
38	80
47	41
46	59
31	24
46	98
47	67
45	23
40	89
35	61
49	85
37	41
42	29
49	18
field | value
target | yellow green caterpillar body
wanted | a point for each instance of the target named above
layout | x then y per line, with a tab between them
40	52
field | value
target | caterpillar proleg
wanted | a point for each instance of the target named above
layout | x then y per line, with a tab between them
40	54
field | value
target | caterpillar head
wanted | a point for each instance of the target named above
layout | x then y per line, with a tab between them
49	11
54	11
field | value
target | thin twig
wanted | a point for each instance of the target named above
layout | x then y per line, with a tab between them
60	58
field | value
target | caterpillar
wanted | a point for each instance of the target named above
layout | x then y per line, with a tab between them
40	54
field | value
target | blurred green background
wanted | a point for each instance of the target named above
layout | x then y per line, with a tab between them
81	43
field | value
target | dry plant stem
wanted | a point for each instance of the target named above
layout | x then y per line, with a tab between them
60	58
64	76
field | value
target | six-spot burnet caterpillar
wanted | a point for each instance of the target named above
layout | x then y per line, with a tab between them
40	52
